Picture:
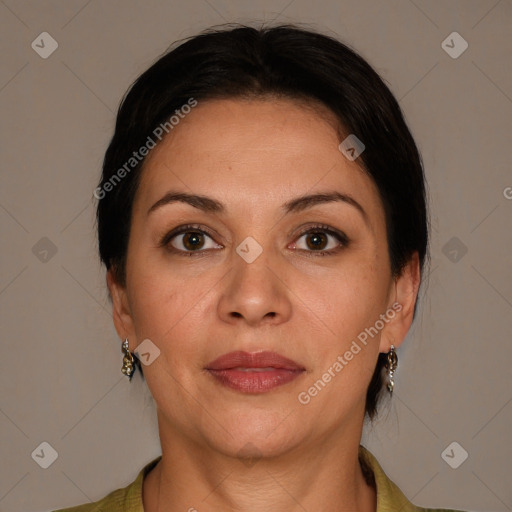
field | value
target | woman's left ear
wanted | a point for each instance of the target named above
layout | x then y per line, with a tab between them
403	300
121	314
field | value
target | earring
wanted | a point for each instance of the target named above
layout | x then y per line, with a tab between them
391	365
127	368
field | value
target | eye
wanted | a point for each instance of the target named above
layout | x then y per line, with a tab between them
188	239
317	240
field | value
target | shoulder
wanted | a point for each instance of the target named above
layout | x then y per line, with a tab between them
125	499
113	502
389	497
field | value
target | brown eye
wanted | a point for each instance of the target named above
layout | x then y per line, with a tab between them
316	240
189	239
322	240
193	240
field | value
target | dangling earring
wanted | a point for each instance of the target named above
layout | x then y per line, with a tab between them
127	368
391	365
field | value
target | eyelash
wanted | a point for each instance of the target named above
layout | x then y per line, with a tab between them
318	228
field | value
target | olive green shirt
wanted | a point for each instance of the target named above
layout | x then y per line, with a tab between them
389	496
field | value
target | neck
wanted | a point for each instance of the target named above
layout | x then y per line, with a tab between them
192	477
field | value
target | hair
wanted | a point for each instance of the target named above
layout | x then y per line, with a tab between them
283	61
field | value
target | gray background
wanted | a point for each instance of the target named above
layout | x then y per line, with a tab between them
60	373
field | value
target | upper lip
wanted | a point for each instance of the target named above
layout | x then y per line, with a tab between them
265	359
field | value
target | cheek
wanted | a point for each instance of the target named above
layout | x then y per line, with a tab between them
169	307
345	349
351	299
162	307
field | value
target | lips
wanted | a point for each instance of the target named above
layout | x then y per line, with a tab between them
256	372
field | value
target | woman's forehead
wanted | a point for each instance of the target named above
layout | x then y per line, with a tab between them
237	126
236	145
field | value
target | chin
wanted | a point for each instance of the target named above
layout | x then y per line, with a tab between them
257	434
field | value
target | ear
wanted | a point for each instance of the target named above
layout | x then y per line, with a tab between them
121	313
403	299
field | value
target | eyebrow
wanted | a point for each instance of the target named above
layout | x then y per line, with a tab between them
298	204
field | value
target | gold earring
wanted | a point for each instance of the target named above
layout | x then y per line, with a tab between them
391	365
127	368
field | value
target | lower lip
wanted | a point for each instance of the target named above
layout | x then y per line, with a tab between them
255	381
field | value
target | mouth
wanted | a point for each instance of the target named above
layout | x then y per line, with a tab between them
256	372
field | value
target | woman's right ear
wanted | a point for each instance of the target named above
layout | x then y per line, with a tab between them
121	312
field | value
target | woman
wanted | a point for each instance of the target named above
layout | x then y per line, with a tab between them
263	223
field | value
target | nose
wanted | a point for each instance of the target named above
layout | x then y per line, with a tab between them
255	293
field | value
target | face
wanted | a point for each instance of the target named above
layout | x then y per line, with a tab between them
255	268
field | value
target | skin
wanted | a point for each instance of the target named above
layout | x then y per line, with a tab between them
253	156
